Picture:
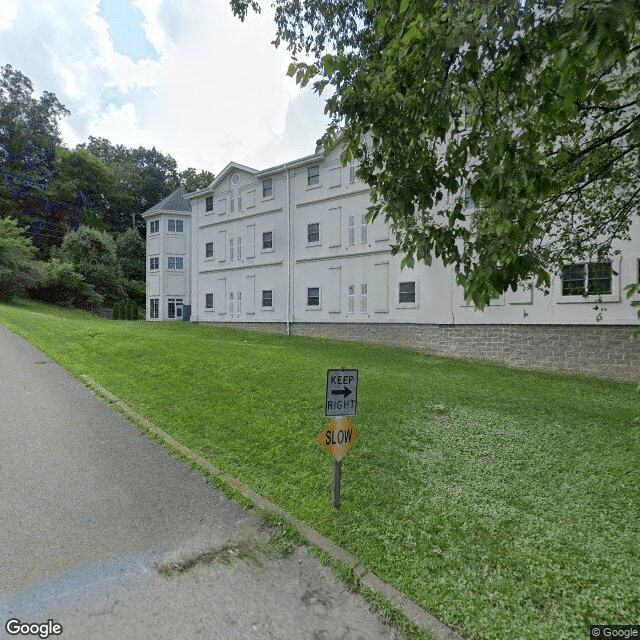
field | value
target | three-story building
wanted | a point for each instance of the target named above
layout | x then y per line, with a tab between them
290	246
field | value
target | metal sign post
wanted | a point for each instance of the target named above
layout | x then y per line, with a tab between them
341	401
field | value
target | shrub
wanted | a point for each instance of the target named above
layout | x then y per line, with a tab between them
133	310
116	311
136	290
63	286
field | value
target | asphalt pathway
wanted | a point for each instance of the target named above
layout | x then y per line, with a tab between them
96	519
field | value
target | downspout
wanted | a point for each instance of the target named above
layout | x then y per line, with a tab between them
289	240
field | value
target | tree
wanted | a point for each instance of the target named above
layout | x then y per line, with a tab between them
131	251
141	178
93	254
530	106
192	180
18	270
83	181
28	126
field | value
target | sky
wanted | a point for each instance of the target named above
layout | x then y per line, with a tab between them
184	76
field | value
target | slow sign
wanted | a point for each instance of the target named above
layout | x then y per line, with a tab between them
339	437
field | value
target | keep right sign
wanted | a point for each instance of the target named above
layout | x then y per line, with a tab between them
342	392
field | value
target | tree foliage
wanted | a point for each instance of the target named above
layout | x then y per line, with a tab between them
141	177
131	250
530	105
84	181
93	254
64	286
28	126
18	270
193	180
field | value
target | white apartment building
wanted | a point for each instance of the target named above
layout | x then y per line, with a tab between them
290	244
288	249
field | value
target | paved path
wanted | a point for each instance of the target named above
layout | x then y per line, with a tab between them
91	509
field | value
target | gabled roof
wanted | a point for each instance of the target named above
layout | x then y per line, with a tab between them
175	202
230	168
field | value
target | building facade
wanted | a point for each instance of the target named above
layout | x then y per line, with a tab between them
288	248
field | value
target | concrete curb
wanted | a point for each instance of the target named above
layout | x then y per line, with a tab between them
415	613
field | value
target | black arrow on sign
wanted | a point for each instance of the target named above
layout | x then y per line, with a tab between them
341	392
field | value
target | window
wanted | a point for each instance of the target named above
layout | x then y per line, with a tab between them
469	203
231	249
352	230
407	292
599	278
175	226
154	263
239	248
208	203
208	250
352	173
313	297
363	229
154	226
267	299
231	209
174	308
231	302
363	298
208	300
239	303
154	308
239	203
352	298
586	278
313	175
313	232
175	263
465	116
267	188
267	240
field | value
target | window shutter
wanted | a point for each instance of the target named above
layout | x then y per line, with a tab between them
381	288
251	294
251	241
221	249
334	226
334	289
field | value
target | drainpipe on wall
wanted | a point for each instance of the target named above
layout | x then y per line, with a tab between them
451	294
289	240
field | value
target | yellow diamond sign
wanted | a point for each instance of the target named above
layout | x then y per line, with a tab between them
339	437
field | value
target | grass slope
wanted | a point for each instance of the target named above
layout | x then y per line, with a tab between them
505	502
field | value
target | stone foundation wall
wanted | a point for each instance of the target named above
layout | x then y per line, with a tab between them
600	350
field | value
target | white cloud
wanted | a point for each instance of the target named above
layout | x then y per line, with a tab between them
218	91
8	13
125	121
151	26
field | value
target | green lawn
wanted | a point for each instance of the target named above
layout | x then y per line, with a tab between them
505	502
